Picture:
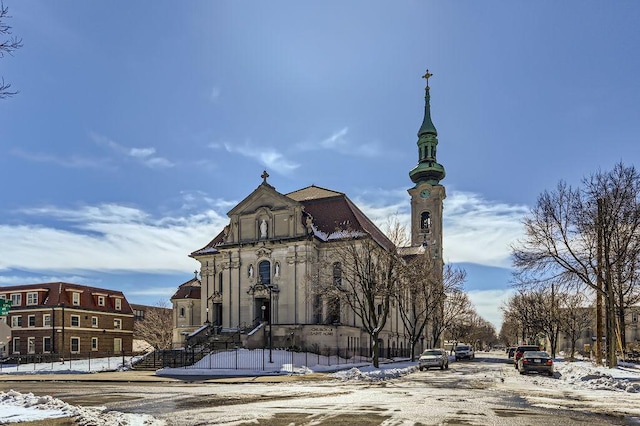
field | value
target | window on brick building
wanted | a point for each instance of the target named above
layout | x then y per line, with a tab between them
16	299
16	321
32	298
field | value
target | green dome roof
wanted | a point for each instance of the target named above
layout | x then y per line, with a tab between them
428	168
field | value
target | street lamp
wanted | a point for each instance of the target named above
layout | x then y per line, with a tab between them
264	309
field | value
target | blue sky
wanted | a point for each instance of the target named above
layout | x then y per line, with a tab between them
139	125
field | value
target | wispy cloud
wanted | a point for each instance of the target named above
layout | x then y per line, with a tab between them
145	156
268	157
166	292
126	238
122	238
36	279
481	231
475	230
71	161
338	141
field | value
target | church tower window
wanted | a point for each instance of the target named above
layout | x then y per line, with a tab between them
425	222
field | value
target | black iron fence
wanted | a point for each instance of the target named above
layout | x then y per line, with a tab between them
266	359
271	359
76	361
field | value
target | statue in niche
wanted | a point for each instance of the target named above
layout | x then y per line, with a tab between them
309	224
277	273
263	229
250	271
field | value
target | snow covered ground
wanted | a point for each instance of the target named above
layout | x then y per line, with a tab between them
18	407
94	365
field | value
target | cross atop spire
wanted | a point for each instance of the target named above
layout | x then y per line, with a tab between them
264	176
426	77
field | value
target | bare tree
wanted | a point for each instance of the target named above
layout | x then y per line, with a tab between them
458	313
589	235
521	309
156	328
617	204
482	333
509	329
8	45
456	302
545	303
362	275
422	292
576	317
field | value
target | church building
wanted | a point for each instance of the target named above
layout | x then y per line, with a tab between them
257	275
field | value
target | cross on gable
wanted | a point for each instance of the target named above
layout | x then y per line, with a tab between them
264	176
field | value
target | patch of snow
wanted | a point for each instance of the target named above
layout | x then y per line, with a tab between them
586	375
18	407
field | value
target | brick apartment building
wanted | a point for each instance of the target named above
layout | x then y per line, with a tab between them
67	319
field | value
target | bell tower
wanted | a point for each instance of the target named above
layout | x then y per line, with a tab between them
428	194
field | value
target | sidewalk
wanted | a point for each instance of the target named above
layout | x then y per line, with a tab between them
136	376
107	376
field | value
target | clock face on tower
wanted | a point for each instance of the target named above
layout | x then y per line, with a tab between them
425	193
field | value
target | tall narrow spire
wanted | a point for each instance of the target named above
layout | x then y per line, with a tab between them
428	169
427	124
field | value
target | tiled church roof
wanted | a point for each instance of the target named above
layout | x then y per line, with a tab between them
188	290
334	217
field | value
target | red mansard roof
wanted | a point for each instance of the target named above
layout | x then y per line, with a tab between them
59	293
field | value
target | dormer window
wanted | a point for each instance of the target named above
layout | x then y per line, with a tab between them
32	298
118	303
100	300
16	299
75	299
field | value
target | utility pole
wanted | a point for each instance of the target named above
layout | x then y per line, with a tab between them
598	348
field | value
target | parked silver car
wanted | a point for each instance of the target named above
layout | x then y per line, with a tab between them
433	358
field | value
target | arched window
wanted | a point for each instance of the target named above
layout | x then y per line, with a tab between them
425	221
337	274
264	269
